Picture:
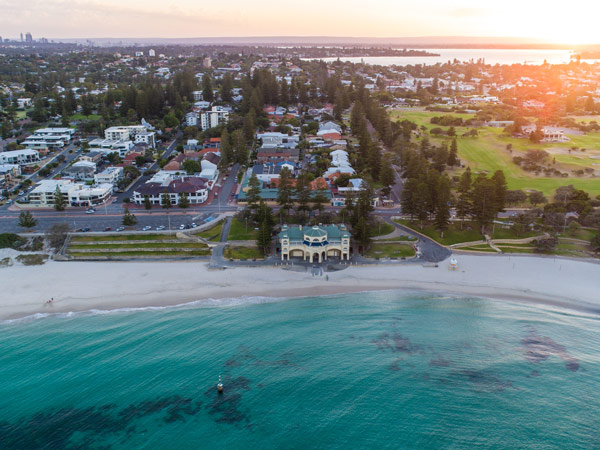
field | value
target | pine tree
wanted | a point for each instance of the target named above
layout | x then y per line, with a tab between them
320	199
59	201
165	200
227	156
253	193
453	155
128	218
501	188
442	213
207	88
27	220
184	201
264	238
483	201
463	205
285	191
226	88
240	148
302	194
147	202
387	176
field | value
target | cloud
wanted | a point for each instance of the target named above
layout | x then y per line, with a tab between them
468	12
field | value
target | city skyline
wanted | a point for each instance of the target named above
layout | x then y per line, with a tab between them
384	19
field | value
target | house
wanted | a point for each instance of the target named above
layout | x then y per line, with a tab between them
147	137
315	244
108	146
137	133
8	172
21	157
81	170
266	172
110	175
94	157
209	165
23	103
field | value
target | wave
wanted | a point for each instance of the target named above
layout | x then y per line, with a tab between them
204	303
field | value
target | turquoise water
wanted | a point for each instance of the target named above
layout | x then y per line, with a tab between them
372	370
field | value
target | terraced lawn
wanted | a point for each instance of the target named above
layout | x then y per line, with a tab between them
454	235
383	229
145	245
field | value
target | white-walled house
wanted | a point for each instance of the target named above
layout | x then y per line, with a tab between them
21	157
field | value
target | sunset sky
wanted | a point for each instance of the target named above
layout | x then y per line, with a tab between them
572	22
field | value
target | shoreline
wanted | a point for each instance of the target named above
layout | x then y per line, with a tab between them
108	286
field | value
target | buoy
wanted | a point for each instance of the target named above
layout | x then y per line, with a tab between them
220	386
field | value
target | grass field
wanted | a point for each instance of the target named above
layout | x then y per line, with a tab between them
140	253
453	235
79	116
238	231
212	234
390	251
488	152
235	252
382	229
146	245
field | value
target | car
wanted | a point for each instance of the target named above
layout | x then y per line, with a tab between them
160	228
194	225
146	228
90	211
120	228
84	229
182	227
108	229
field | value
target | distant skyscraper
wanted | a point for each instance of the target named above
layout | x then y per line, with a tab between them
206	63
21	37
151	52
28	38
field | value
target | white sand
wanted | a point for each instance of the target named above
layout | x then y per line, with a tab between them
83	286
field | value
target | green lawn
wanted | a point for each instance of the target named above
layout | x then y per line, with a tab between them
212	234
582	233
392	250
488	153
453	235
238	231
134	245
383	229
235	252
80	117
507	233
400	239
141	253
479	248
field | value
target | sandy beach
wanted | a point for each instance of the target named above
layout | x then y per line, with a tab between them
85	286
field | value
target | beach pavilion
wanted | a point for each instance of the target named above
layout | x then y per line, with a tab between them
315	244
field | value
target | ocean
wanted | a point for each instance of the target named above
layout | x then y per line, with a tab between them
384	370
491	56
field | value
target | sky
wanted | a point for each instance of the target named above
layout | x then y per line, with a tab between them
566	22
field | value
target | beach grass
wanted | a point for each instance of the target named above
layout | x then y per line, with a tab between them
32	260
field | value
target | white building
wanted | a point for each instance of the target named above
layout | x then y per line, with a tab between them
191	119
23	103
152	53
315	244
137	133
20	157
197	95
107	146
49	138
213	118
147	137
75	194
110	175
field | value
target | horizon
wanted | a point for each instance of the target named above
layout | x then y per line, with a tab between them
265	19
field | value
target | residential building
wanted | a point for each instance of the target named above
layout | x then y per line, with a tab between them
81	170
268	171
8	172
213	118
21	157
107	146
75	194
123	133
49	138
315	244
110	175
174	186
146	137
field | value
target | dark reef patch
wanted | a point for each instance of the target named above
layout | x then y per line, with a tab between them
537	348
226	406
83	428
397	344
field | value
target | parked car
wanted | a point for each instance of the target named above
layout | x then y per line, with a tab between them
90	211
194	225
182	227
160	228
120	228
146	228
84	229
108	229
